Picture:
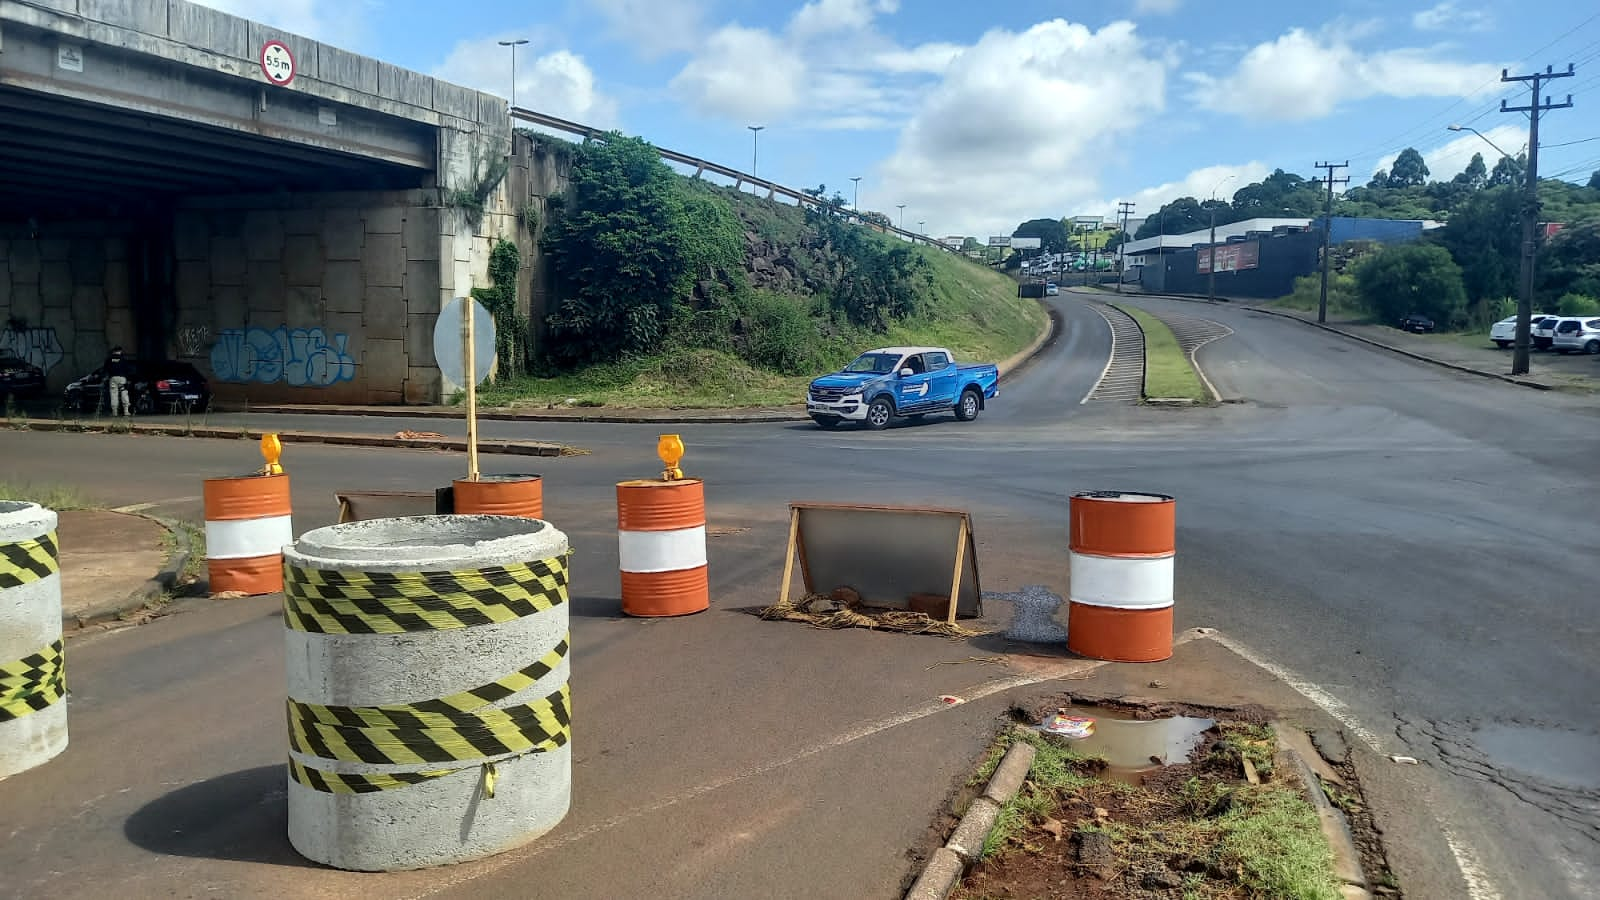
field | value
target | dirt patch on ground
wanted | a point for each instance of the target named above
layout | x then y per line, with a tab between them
1207	827
106	556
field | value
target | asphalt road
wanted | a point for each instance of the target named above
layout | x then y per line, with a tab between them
1415	544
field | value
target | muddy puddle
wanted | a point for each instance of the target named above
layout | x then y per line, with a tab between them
1130	747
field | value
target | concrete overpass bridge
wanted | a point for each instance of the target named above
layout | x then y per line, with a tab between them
283	213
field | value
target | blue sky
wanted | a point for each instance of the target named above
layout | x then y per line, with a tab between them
978	115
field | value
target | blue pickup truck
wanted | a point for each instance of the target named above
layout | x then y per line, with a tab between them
901	381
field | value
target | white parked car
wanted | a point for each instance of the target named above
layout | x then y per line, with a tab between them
1577	333
1504	332
1544	332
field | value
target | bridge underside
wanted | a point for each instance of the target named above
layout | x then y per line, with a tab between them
65	159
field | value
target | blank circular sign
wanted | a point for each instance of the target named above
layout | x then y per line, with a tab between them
449	349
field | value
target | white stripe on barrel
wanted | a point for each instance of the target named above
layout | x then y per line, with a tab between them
662	551
1122	583
248	537
30	621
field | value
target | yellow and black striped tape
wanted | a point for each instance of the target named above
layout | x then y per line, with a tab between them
462	727
328	601
32	683
26	561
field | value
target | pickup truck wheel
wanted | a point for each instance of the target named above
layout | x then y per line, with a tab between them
879	414
967	409
828	422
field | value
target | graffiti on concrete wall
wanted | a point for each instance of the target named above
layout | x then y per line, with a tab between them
191	338
298	357
36	345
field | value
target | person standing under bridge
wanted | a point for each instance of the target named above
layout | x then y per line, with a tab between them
118	370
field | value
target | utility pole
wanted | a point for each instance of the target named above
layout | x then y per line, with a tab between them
1530	209
1327	229
1123	208
1211	254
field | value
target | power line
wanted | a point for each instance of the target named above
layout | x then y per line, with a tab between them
1569	143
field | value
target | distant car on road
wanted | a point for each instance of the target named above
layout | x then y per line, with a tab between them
1544	332
1416	323
1051	288
19	378
1577	333
901	381
1504	332
157	386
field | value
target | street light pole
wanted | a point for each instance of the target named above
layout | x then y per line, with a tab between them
514	45
902	225
1479	134
755	144
1211	249
855	203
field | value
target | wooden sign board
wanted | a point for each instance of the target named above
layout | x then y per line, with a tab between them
886	554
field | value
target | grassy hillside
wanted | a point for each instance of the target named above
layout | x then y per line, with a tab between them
811	295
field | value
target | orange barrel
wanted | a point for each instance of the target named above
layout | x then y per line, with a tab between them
1120	600
247	526
500	495
661	538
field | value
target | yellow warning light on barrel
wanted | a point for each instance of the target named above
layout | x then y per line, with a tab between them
271	449
670	449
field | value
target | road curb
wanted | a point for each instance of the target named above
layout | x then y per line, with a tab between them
945	867
510	448
146	593
1335	827
1174	402
677	417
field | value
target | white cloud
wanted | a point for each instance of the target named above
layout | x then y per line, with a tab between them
1446	160
1450	16
743	73
1019	126
1304	76
931	59
653	27
339	24
1157	7
821	17
1199	184
559	82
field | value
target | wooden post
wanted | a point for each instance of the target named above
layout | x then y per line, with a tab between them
788	559
470	355
961	561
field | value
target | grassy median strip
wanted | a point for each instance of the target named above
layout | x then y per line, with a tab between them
1168	373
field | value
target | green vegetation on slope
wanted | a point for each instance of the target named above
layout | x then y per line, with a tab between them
1168	374
678	293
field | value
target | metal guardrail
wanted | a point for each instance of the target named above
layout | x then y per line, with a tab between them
740	179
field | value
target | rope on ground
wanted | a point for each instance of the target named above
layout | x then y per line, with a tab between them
821	611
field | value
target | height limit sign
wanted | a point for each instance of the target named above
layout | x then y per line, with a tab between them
277	63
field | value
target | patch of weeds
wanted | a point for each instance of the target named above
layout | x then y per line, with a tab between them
991	761
1272	838
1057	771
1257	743
59	497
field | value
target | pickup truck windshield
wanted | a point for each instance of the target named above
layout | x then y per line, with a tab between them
876	363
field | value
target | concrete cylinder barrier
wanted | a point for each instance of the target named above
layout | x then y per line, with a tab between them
247	525
1120	603
500	495
33	709
428	706
661	539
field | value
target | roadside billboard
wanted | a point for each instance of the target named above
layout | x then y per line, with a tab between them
1230	257
999	241
1024	243
1089	222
